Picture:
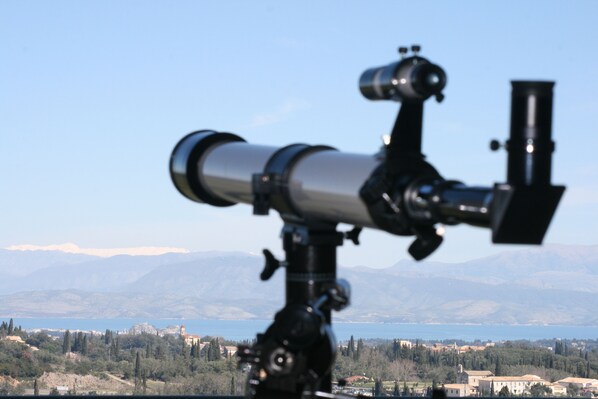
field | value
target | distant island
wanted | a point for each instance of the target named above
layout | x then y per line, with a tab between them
551	285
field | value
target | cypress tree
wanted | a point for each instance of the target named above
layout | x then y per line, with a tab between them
159	353
378	387
211	351
66	343
76	344
10	327
498	368
359	350
396	349
137	372
214	350
85	346
80	341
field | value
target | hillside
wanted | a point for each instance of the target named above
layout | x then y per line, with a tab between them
549	285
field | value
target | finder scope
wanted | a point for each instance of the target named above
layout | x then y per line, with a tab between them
410	79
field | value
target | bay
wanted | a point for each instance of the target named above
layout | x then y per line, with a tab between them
238	330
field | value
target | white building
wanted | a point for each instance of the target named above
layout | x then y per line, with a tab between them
516	385
472	377
588	385
578	382
459	390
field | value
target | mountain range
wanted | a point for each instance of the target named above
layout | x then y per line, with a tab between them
555	284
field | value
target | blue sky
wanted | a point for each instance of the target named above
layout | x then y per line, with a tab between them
95	94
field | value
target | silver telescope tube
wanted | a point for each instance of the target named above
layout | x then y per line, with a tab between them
323	184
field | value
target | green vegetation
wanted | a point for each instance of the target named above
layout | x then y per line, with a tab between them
152	364
398	365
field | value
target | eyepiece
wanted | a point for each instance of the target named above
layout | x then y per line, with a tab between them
413	79
428	79
530	143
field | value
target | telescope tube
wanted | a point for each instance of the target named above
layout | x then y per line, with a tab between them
315	183
218	169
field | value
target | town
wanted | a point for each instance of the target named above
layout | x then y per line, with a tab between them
147	360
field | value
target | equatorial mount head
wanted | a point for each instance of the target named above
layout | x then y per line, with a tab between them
412	79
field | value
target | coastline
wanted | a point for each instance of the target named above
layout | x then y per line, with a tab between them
247	329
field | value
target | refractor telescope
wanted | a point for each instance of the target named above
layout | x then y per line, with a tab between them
316	187
399	191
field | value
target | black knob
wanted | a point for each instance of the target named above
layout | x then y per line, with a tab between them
353	235
495	145
416	48
272	264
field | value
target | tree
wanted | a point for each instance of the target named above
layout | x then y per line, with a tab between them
137	372
351	347
359	350
378	387
35	388
572	390
80	342
538	390
396	349
159	353
504	391
66	343
402	369
497	367
214	350
85	346
10	327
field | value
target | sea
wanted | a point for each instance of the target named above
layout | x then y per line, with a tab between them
239	330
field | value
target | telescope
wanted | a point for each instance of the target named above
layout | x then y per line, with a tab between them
316	187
